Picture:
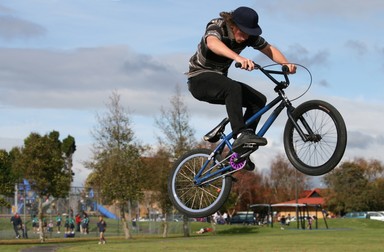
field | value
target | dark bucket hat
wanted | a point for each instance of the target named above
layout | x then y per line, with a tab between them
247	20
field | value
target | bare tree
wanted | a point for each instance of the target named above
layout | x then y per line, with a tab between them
177	135
117	159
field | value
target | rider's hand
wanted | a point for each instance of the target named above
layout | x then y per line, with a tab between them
292	68
246	64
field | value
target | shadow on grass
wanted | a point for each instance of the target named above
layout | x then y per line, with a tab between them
239	230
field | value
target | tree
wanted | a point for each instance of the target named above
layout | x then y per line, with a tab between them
355	186
377	189
248	189
116	159
7	177
42	161
68	147
284	180
157	170
178	136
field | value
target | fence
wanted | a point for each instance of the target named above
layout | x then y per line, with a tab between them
79	199
114	228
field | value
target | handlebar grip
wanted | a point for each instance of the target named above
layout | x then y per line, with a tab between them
238	65
285	69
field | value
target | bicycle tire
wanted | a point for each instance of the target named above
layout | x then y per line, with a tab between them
318	157
193	200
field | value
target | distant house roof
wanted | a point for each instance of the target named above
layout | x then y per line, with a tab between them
310	197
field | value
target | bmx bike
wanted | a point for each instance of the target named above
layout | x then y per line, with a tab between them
314	137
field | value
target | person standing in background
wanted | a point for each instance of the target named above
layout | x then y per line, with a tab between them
102	226
78	223
17	224
58	222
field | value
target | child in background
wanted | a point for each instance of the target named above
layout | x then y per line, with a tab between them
50	226
58	223
66	224
102	225
35	224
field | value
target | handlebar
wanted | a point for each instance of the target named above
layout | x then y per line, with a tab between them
285	68
284	71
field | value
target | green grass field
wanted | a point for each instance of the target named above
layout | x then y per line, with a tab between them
344	235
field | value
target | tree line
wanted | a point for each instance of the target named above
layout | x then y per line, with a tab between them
356	185
125	172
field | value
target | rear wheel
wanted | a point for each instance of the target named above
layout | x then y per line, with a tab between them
326	135
197	200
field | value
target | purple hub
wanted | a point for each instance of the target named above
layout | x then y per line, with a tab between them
236	166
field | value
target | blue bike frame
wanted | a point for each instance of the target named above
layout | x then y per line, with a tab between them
205	176
201	178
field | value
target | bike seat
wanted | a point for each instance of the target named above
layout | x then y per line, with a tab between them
214	135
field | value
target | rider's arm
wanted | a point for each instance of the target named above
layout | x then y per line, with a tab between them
274	54
218	47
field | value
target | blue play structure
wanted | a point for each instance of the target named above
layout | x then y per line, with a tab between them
25	196
102	209
105	212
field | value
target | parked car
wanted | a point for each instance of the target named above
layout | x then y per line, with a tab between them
358	215
243	218
376	216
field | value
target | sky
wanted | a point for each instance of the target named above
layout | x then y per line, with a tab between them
60	61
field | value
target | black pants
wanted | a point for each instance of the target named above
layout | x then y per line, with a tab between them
218	89
17	228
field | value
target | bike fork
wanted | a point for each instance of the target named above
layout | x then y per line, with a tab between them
305	137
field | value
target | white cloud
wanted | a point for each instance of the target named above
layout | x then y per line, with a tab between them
84	78
12	28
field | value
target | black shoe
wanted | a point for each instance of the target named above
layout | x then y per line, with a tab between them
248	140
249	166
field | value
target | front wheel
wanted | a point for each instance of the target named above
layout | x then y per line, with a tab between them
321	146
190	198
